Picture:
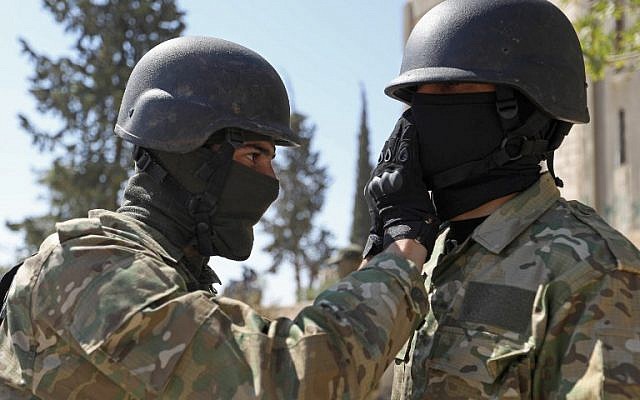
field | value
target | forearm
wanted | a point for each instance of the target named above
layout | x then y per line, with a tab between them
338	347
406	248
409	249
370	315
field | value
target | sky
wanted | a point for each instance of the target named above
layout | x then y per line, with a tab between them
325	51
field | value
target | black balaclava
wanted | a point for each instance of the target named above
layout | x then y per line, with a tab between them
202	199
147	201
465	157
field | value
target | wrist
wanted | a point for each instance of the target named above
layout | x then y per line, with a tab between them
423	232
410	249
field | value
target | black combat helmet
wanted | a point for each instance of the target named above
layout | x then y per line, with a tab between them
188	88
528	45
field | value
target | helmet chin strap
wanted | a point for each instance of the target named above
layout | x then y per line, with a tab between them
201	206
520	140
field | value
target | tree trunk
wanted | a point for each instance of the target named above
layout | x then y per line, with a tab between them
297	267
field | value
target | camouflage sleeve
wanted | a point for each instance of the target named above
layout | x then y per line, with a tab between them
193	346
591	349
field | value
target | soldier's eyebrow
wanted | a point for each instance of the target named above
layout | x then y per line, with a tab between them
268	151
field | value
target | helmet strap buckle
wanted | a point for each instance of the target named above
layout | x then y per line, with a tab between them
203	234
507	107
235	137
202	204
508	147
202	207
142	159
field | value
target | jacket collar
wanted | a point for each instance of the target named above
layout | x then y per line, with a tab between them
142	233
516	215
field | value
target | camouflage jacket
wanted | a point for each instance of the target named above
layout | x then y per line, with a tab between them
542	301
102	311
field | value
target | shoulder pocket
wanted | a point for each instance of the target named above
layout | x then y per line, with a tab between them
620	350
111	299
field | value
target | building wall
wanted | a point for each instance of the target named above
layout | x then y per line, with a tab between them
620	188
413	11
589	160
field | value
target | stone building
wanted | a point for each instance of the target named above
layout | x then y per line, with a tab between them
598	162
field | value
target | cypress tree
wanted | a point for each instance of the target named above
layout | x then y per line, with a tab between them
360	222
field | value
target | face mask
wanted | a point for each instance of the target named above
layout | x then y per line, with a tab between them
245	197
221	199
457	129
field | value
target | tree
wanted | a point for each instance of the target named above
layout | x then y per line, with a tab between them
294	237
609	31
82	92
360	223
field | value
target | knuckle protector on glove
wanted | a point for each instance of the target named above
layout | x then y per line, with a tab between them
390	182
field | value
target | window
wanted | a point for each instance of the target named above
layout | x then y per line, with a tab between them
622	140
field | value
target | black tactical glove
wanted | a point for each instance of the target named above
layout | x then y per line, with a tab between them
399	202
376	231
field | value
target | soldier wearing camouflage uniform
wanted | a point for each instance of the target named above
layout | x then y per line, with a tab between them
119	305
346	260
533	296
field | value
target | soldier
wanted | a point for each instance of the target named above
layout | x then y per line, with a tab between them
247	289
534	296
346	260
120	304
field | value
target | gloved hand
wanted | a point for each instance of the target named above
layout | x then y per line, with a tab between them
399	202
376	231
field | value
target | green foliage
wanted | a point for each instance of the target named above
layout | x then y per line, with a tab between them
81	92
609	31
295	239
360	224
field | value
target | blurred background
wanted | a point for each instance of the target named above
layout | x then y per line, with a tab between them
65	67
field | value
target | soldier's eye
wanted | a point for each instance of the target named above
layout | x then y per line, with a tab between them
252	156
